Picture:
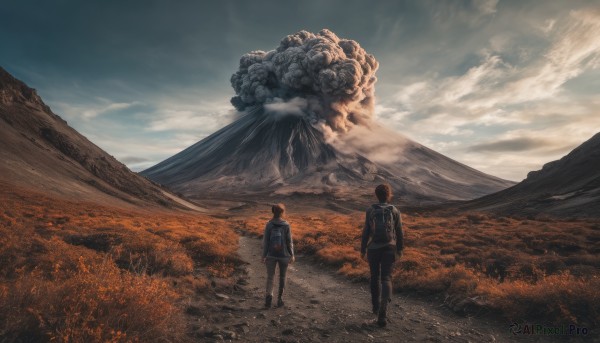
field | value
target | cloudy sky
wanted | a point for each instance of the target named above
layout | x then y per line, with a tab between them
502	86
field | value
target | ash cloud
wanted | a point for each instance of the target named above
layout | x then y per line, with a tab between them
335	77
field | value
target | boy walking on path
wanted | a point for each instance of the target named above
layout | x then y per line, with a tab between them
382	241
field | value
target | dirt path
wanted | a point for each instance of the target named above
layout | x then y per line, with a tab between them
184	203
322	306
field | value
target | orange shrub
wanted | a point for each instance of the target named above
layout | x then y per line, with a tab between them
82	272
339	255
563	296
96	303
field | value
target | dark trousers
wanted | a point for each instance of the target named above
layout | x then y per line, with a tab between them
272	262
381	263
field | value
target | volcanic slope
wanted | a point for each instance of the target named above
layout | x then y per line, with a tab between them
40	151
269	153
566	187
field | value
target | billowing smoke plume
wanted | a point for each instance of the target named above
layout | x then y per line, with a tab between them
334	78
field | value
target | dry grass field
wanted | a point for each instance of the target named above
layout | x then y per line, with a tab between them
80	272
519	269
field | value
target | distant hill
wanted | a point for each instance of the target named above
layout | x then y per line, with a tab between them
39	151
566	187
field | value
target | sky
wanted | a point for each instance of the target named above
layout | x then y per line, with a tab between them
502	86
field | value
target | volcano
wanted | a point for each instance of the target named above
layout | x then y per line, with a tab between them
306	126
265	154
566	187
41	152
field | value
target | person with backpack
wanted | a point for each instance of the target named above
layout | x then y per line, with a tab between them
278	250
382	242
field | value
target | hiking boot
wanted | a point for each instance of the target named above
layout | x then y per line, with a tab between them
268	301
382	315
375	309
280	302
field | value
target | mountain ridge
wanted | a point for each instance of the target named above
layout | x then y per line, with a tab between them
569	186
40	150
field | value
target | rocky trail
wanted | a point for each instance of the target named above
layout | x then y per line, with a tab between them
321	306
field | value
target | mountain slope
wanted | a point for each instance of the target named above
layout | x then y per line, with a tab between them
566	187
265	154
40	151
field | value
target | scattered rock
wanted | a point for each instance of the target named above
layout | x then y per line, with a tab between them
433	327
231	308
221	296
222	284
229	334
353	328
261	316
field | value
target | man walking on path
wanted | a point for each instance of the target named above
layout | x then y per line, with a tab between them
382	241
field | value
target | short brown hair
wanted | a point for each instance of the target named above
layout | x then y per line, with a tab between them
383	192
278	210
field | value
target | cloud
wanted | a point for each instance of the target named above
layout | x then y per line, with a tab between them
486	6
519	99
295	106
375	142
132	159
516	144
191	115
92	109
495	83
91	113
470	12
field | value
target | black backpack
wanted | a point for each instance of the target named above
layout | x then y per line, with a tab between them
276	238
382	224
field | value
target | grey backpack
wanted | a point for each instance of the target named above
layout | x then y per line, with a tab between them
382	224
276	242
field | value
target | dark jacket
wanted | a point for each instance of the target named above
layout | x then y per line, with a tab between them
288	249
367	231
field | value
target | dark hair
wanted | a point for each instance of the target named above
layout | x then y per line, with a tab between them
383	192
278	210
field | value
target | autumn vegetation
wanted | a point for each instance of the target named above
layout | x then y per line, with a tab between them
73	271
519	269
79	272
